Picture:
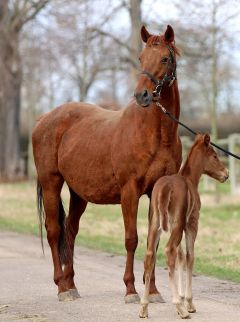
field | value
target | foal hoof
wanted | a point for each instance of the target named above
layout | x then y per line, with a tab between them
190	306
181	310
156	298
143	311
70	295
132	298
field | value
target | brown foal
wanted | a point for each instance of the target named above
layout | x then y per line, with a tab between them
175	202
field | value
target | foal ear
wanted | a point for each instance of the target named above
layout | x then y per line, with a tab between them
169	34
206	139
144	34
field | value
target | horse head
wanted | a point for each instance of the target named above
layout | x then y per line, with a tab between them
212	166
158	65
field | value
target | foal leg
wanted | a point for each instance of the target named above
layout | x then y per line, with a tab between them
190	240
76	208
154	294
171	255
129	203
149	264
180	266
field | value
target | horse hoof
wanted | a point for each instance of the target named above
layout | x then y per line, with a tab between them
156	298
74	293
70	295
181	310
132	298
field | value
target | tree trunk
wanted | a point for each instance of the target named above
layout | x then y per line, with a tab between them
10	84
136	42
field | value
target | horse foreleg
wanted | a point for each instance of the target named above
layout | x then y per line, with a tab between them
129	203
76	208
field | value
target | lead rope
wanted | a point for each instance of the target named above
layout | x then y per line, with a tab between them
192	131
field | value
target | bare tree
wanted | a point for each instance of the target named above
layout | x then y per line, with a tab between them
13	16
136	41
205	35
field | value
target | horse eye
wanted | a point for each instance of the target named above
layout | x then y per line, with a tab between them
165	60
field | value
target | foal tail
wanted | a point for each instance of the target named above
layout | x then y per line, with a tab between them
63	246
163	203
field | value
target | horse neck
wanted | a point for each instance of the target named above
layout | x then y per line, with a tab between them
193	167
158	121
170	99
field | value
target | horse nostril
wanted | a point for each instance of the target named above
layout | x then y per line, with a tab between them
143	98
145	93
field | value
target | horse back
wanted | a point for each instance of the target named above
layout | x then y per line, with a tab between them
75	138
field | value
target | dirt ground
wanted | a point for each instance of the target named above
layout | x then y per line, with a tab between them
27	292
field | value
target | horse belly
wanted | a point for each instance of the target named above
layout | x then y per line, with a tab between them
94	188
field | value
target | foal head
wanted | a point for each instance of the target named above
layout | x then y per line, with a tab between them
158	64
212	166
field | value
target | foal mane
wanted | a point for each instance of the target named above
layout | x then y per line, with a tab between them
185	167
157	40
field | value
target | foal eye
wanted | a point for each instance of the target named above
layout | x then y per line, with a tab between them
164	60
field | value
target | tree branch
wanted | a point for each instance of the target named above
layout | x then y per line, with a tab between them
25	13
114	38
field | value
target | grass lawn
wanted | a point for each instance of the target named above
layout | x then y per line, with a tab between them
217	246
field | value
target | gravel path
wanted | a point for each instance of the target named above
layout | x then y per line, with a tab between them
29	294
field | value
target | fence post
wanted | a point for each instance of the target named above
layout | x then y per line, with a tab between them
232	168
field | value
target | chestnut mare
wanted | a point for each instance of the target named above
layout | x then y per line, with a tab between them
108	157
176	202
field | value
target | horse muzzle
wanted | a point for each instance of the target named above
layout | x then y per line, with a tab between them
143	98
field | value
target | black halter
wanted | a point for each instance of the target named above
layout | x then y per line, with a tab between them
172	66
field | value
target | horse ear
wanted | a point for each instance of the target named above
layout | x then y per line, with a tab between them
169	34
206	139
144	34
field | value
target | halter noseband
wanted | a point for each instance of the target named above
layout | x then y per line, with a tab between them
166	78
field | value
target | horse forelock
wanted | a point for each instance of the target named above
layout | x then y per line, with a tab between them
158	40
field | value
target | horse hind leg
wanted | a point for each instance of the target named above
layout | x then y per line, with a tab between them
49	193
76	209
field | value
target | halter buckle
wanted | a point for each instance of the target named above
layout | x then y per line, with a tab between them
172	81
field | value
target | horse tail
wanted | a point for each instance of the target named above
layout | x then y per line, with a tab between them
164	201
63	246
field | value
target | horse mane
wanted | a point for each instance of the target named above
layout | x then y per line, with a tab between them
157	40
